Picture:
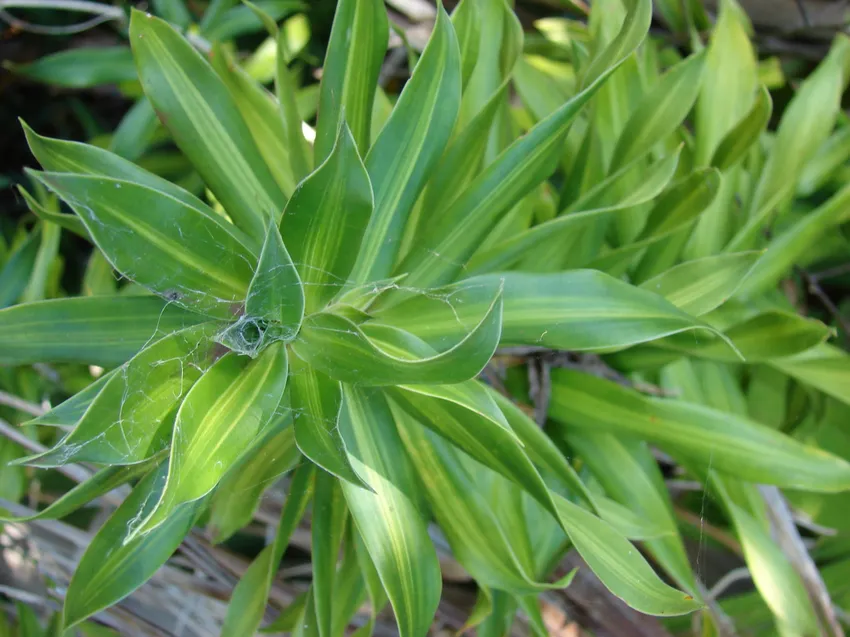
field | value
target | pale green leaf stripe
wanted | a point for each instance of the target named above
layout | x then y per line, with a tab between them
215	425
408	148
317	401
355	53
122	424
340	348
100	483
114	565
205	123
388	517
699	286
325	219
598	204
248	601
732	444
91	330
62	156
660	111
159	242
575	310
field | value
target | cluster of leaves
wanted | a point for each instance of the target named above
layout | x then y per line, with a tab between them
322	301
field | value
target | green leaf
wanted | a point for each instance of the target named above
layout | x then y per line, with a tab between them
15	273
453	412
389	517
461	161
275	294
115	564
217	422
124	423
70	222
92	330
730	71
261	114
444	248
576	310
481	544
136	130
99	484
766	336
317	401
555	468
619	565
745	133
805	124
408	147
325	219
59	156
465	19
660	111
80	67
568	230
699	286
248	602
631	34
327	527
733	445
205	123
184	255
343	350
355	53
824	367
291	113
69	412
237	497
240	20
673	211
791	246
629	473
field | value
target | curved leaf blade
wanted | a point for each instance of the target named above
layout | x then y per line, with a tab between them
325	219
735	446
220	417
389	517
205	123
114	564
186	256
93	330
408	148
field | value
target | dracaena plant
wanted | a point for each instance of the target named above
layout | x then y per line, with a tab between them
329	308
